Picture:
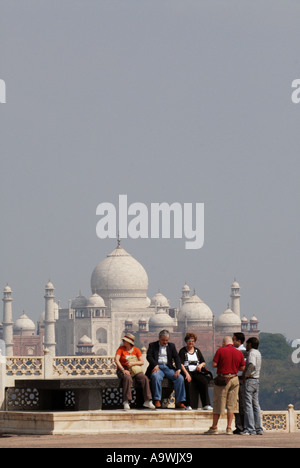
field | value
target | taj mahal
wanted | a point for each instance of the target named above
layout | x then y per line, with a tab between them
118	303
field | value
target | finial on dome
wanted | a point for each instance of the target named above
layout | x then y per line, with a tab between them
119	241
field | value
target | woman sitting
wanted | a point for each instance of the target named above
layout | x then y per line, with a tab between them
129	361
193	366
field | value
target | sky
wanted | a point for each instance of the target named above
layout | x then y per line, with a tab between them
165	101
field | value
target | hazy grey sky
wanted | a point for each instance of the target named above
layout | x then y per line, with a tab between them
175	101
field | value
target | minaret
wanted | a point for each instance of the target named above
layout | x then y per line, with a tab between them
185	295
8	321
49	338
235	298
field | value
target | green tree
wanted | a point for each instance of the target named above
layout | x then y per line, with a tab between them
280	378
274	346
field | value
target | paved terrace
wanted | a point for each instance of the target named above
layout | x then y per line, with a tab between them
283	427
165	441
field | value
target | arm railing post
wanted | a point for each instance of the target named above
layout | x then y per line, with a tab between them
48	364
2	381
292	424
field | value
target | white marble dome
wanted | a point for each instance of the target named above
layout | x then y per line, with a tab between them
24	326
159	300
161	320
195	311
119	277
228	321
95	301
185	288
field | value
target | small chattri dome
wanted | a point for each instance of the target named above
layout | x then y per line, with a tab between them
159	300
85	340
79	302
95	301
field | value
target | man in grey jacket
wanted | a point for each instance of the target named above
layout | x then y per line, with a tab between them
253	424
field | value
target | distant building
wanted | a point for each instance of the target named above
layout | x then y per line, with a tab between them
20	337
119	303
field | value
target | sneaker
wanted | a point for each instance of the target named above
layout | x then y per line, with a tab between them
245	433
148	404
229	431
126	406
189	408
237	432
157	404
211	431
207	408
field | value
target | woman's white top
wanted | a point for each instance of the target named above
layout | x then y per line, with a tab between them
190	363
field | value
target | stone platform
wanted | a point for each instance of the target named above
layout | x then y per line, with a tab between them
107	422
182	443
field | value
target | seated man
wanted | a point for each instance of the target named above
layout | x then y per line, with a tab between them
160	356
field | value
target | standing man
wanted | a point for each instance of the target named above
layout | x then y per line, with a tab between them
160	356
238	342
253	424
229	361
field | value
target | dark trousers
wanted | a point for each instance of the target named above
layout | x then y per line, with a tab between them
198	385
239	417
127	383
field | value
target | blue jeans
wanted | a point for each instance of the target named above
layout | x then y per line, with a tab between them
252	408
157	378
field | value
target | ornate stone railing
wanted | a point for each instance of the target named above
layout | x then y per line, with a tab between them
90	366
281	421
24	367
48	367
